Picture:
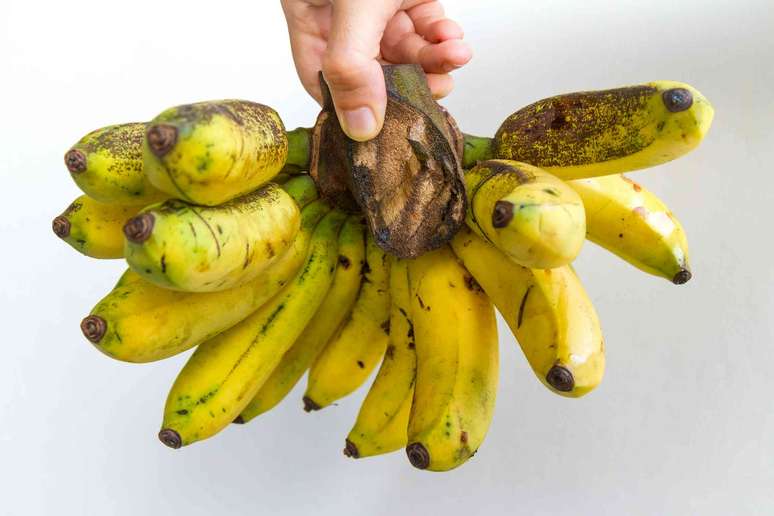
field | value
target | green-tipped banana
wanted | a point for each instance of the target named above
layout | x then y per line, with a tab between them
180	246
533	217
211	152
302	189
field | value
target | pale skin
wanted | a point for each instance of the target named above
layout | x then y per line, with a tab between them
349	40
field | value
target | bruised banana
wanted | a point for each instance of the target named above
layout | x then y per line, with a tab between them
353	352
456	347
333	310
224	373
211	152
94	228
179	246
141	322
533	217
548	312
382	422
631	222
107	165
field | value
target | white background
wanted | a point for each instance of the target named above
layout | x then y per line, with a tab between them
684	421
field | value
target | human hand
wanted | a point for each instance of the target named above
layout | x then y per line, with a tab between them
349	40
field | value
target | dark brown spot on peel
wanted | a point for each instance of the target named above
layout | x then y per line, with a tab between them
464	437
310	405
75	161
682	277
61	226
502	214
560	378
344	261
522	305
239	420
472	284
170	438
360	364
677	99
93	328
350	450
161	138
418	455
385	326
139	228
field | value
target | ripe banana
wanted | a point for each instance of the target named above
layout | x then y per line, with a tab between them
628	220
533	217
141	322
548	312
211	152
333	310
224	373
94	228
382	423
107	165
456	346
350	356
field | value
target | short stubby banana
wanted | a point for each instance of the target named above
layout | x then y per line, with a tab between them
548	312
533	217
631	222
180	246
351	355
224	373
382	422
333	310
597	133
94	228
107	165
141	322
210	152
302	189
456	346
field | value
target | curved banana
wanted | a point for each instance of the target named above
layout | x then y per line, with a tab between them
333	310
533	217
456	346
346	360
548	312
382	422
94	228
224	373
631	222
141	322
596	133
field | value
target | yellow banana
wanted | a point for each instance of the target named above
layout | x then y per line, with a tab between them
382	423
628	220
598	133
548	312
333	310
533	217
94	228
224	373
141	322
350	356
211	152
456	346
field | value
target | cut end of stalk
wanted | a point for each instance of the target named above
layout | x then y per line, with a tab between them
502	214
350	450
94	328
682	277
170	438
139	228
418	455
161	138
677	99
61	226
560	378
239	420
75	161
310	405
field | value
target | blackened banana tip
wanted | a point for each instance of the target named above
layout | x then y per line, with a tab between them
93	328
61	226
310	405
350	450
418	455
682	277
75	161
677	99
502	214
239	420
170	438
161	138
560	378
139	228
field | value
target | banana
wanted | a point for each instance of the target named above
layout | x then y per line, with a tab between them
631	222
211	152
333	310
533	217
548	312
597	133
94	228
383	418
107	165
456	347
350	356
224	373
203	249
141	322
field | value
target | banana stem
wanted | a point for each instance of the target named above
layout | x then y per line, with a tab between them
477	148
298	150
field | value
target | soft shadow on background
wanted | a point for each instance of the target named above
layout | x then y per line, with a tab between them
684	421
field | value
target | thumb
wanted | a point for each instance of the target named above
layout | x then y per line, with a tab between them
351	68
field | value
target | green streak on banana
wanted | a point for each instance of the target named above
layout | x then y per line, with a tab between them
349	357
298	150
302	189
475	149
456	346
548	312
107	165
211	152
382	422
224	373
533	217
333	310
141	322
180	246
94	228
597	133
631	222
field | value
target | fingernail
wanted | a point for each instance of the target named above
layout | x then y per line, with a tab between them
359	124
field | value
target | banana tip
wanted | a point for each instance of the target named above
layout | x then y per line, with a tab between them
139	228
310	405
61	226
350	450
502	214
239	420
682	277
170	438
560	378
161	138
418	455
94	328
75	161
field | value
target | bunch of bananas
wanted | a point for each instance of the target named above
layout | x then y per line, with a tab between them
232	250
